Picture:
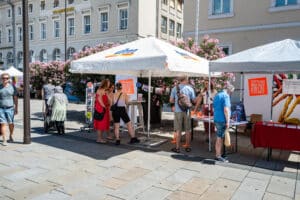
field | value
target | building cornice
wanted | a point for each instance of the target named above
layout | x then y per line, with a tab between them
244	28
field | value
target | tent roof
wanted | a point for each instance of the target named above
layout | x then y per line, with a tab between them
140	57
280	56
12	71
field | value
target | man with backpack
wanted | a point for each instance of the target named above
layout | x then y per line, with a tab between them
183	95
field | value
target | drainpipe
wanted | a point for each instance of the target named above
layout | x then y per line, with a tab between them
157	18
13	30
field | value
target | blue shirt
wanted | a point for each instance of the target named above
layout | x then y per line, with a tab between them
221	101
184	89
6	95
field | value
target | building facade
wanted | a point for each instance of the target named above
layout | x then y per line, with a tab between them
243	24
56	36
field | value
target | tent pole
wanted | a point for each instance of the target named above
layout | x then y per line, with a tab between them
149	103
209	122
242	87
272	96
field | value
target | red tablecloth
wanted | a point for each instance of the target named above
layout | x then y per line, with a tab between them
272	136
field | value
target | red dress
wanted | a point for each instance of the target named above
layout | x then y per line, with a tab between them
102	125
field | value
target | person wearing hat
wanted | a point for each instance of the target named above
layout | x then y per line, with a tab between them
222	108
120	99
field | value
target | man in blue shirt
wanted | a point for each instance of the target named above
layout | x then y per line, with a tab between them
222	118
182	119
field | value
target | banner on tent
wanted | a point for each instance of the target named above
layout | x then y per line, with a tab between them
258	86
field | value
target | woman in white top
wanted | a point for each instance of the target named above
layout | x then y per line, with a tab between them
121	100
206	100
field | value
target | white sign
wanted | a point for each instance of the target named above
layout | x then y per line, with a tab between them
291	86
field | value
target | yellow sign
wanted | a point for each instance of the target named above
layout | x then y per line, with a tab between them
63	10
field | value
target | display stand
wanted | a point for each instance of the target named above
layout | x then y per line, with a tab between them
89	102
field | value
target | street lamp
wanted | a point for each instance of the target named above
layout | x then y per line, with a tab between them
197	22
65	30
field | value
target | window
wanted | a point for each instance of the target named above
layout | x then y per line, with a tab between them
56	29
56	55
30	32
123	17
172	3
10	58
1	58
103	21
43	31
71	26
43	5
70	52
55	3
165	2
279	3
178	31
43	56
85	47
171	28
20	34
221	7
70	1
8	12
20	59
9	35
30	8
87	24
179	5
19	11
31	56
0	36
226	50
164	24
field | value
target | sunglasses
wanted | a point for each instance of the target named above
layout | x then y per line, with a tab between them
5	78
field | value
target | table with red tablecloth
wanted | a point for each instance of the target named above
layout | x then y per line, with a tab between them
276	136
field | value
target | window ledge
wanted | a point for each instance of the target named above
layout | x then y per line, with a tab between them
284	8
220	16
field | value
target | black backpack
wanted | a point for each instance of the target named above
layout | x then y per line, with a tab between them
184	101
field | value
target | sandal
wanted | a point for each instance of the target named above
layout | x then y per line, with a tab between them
175	150
188	149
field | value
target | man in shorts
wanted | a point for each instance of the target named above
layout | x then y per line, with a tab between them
182	119
8	106
222	118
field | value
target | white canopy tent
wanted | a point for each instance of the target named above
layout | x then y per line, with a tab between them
280	56
145	57
13	72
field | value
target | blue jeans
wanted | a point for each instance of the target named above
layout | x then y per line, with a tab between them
221	127
7	115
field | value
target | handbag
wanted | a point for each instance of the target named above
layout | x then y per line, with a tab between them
115	105
227	141
99	115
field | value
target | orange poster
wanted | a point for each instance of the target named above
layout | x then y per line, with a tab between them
258	86
127	86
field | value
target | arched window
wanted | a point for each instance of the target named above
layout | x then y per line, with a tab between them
85	47
10	58
31	56
56	54
43	56
71	51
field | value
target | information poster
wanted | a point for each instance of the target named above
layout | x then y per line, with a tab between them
127	86
258	86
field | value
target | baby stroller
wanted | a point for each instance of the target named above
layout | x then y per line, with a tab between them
52	125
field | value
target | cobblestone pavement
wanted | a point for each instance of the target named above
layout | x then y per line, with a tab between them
75	167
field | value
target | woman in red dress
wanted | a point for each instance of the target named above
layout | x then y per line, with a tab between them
102	101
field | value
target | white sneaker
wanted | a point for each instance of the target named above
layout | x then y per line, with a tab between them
4	143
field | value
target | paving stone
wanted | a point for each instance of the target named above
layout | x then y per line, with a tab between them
211	172
196	185
114	183
48	175
153	193
259	176
221	189
251	189
160	173
282	186
109	197
69	177
271	196
53	195
133	174
234	174
110	172
182	195
25	174
111	162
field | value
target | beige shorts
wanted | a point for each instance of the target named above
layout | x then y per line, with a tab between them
182	121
